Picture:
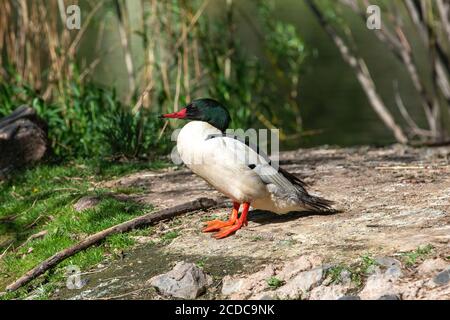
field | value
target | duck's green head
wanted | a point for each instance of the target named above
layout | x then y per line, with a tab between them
207	110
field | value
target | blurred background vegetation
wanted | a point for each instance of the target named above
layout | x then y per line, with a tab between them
275	64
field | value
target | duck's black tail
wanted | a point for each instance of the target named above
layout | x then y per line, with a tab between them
311	202
317	203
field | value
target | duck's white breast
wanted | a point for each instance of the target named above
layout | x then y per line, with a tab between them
219	163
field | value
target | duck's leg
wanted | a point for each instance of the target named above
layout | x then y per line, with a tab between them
242	221
216	225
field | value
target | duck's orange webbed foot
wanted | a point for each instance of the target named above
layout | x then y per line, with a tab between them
229	230
216	225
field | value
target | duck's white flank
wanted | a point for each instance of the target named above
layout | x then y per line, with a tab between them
224	163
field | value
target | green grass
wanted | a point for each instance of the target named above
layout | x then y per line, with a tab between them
367	263
334	273
274	283
411	258
358	271
169	236
41	199
201	262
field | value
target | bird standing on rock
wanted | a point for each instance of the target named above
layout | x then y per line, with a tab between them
243	174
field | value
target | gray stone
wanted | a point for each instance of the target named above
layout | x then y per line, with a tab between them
380	284
303	263
442	278
238	288
300	284
346	277
331	292
430	266
387	262
394	271
373	269
350	298
231	285
264	296
185	281
389	297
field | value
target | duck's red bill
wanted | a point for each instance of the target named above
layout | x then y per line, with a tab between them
176	115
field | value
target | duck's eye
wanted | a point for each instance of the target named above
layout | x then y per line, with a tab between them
192	111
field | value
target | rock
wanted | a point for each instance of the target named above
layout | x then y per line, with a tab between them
394	271
332	292
86	203
373	269
185	281
432	266
380	284
410	290
232	285
442	278
23	139
350	298
299	285
346	277
244	287
388	262
389	297
264	296
303	263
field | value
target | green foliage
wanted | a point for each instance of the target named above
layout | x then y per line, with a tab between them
246	82
357	271
135	134
283	41
89	121
13	94
120	241
201	262
335	273
237	76
367	263
411	258
274	283
169	236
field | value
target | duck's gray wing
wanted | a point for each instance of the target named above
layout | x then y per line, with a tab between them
285	184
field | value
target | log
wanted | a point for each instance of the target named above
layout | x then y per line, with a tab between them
145	220
23	139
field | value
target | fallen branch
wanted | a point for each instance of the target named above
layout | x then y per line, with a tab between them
148	219
38	235
4	252
8	218
437	144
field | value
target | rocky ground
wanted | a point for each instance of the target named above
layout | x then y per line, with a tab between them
389	239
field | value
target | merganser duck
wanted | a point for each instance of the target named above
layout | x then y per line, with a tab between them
239	171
